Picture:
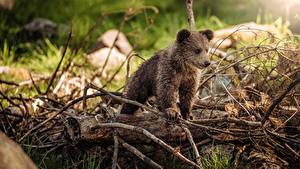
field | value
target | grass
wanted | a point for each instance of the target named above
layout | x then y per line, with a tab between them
216	160
66	160
8	54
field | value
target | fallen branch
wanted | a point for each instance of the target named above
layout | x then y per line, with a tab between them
194	147
278	100
228	120
57	113
150	136
58	66
140	155
8	82
116	150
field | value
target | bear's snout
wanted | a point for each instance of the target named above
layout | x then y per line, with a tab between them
206	63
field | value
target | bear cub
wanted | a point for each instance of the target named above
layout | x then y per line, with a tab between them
171	72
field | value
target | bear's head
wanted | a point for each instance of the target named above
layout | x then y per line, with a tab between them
192	47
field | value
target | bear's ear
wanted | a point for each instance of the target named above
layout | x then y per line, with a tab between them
209	34
182	35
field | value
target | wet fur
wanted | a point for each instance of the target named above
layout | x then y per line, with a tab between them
171	72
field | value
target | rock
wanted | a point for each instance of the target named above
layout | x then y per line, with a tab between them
118	53
41	24
38	28
4	69
122	43
115	58
12	156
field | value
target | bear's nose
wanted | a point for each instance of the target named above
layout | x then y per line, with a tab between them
206	63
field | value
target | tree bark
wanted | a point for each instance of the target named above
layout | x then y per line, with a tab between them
88	129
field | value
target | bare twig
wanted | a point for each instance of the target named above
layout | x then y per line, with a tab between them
140	155
62	57
123	100
8	99
228	120
235	99
291	150
116	150
35	86
232	64
192	142
150	136
26	115
110	50
128	56
278	100
8	82
59	112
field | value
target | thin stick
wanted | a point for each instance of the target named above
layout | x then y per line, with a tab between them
109	53
8	99
35	86
123	100
140	155
278	100
57	113
128	56
150	136
228	120
206	127
291	150
192	142
232	64
116	150
62	57
26	115
8	82
235	99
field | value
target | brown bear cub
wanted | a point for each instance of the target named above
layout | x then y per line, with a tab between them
171	72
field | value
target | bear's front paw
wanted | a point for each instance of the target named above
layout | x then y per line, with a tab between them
173	114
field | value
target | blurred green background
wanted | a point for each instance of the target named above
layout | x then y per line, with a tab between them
152	24
170	17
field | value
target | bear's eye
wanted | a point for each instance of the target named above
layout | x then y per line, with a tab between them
198	51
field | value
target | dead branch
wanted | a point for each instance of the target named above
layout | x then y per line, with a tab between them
140	155
8	82
57	113
234	63
151	137
235	99
278	100
228	120
62	57
35	86
8	99
193	145
116	150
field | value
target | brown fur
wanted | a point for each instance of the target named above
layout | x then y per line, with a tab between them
171	72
